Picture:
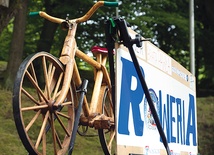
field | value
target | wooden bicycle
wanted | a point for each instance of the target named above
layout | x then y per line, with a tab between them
49	101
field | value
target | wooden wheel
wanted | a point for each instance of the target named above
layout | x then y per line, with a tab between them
42	128
108	136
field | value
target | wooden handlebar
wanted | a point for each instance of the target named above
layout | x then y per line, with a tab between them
81	19
90	12
51	18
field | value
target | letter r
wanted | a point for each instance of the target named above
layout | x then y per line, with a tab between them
130	96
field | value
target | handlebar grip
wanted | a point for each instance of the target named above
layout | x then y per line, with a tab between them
34	13
111	4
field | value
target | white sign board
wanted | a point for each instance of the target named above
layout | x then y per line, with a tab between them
173	92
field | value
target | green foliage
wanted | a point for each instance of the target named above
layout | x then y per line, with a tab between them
5	39
205	43
166	22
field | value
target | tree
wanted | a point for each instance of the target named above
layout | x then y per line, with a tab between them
166	22
17	44
8	13
205	44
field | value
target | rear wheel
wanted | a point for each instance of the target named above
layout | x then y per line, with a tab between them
108	136
43	129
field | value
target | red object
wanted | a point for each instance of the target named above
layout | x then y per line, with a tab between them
99	49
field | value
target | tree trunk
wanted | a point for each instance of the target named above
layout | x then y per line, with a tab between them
17	44
47	36
6	14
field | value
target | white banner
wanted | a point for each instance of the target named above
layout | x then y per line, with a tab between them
172	89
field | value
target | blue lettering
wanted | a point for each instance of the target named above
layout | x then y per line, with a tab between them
164	116
172	119
179	121
171	110
184	125
191	124
130	98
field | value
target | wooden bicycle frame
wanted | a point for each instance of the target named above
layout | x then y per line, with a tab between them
69	51
102	79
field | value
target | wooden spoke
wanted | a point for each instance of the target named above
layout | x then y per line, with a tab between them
33	72
30	96
47	86
63	115
32	69
58	140
51	72
56	93
66	103
36	86
44	144
42	130
62	125
53	134
34	108
33	120
106	111
112	136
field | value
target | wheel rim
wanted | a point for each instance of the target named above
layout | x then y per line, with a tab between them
107	136
42	128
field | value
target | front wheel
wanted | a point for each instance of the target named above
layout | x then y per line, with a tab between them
42	128
108	136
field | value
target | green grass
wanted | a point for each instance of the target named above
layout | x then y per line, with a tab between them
10	142
205	116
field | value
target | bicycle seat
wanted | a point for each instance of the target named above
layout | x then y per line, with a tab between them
97	49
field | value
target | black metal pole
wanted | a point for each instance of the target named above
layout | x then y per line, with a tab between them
83	91
109	31
127	41
149	99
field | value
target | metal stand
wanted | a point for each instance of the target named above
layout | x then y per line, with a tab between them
83	91
120	25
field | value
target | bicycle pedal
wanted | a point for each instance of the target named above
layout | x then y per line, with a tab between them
102	124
